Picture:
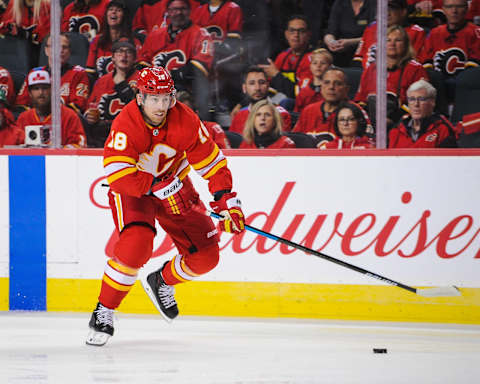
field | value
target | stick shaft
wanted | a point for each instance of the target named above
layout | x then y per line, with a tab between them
322	255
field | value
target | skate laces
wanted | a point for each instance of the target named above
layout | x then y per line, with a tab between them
166	295
104	315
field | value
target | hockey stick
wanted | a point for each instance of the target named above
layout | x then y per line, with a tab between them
425	292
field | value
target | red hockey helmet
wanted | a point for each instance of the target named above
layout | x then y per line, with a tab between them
155	80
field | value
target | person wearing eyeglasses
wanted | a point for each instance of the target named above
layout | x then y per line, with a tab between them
293	63
422	128
350	128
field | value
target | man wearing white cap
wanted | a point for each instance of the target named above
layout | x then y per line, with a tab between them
39	90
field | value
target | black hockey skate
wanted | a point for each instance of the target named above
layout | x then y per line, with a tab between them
161	294
101	326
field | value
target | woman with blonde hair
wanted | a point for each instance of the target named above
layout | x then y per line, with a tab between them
263	128
402	71
29	19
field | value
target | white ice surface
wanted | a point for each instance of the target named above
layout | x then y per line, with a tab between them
50	348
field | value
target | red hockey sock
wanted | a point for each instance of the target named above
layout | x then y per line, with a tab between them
187	267
132	251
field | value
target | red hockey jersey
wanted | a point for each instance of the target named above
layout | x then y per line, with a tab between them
282	142
412	72
239	120
151	15
10	132
366	50
99	59
74	89
358	143
292	66
450	52
192	44
73	135
106	98
315	122
436	132
6	83
35	30
308	94
181	142
88	21
226	21
217	134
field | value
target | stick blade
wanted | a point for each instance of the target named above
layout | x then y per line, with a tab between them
439	292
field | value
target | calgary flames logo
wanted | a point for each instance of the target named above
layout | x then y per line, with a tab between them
85	25
170	60
104	65
450	61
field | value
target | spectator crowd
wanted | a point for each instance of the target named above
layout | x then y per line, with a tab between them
260	74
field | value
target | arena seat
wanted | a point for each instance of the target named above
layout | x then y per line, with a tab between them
301	140
467	94
353	74
15	57
234	138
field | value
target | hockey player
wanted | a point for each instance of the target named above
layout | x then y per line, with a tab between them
152	145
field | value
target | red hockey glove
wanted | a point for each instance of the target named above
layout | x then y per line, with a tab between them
174	197
229	206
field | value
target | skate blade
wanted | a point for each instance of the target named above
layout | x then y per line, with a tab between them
97	338
151	295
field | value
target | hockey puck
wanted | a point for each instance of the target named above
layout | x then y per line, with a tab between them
379	350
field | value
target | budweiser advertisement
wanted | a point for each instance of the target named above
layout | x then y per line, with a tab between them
414	219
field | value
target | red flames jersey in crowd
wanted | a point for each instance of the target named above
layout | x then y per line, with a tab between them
6	83
74	88
36	30
73	134
106	98
358	143
367	47
88	21
473	10
412	72
226	21
191	44
181	142
239	120
10	132
217	134
308	94
314	121
292	66
151	15
99	59
282	142
451	52
434	132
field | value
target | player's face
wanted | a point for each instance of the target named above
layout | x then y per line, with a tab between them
420	104
123	59
396	16
256	86
40	95
395	45
319	64
334	87
347	123
114	16
64	50
178	13
455	10
297	34
264	120
155	107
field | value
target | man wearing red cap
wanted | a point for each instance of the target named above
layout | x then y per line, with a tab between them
153	144
39	90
